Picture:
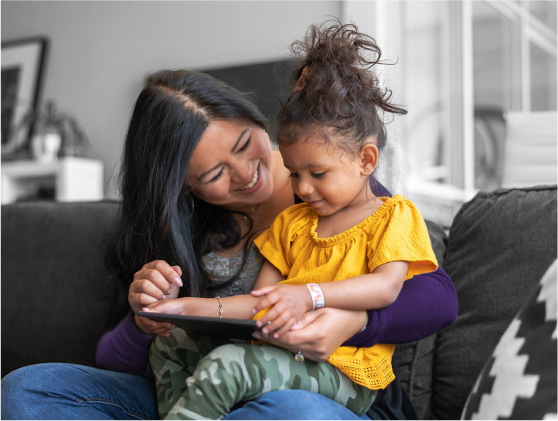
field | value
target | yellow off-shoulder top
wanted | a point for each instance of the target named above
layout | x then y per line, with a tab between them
396	231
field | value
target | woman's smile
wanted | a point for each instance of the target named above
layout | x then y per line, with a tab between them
253	185
232	166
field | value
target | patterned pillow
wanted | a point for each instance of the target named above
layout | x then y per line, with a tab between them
519	380
500	245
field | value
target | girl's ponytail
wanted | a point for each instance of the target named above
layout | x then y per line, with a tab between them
334	86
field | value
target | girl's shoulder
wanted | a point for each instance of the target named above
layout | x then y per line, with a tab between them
396	206
397	201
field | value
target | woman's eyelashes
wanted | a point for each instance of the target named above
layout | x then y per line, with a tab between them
219	174
242	149
245	146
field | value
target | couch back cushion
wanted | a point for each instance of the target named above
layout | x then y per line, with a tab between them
56	291
500	244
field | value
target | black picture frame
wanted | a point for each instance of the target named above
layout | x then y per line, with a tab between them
23	65
265	83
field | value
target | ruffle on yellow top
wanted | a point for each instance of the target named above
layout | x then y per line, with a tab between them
396	231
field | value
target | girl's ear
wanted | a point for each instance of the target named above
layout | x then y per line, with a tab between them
368	159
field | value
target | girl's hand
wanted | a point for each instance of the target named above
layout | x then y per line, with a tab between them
288	305
320	332
155	281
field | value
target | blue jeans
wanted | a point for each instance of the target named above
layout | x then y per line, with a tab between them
66	391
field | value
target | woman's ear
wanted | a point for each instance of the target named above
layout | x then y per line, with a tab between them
368	159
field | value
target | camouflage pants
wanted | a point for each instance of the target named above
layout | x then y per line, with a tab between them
202	377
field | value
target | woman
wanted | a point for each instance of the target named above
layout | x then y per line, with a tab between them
187	124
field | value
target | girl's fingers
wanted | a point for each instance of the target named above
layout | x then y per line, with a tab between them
266	302
263	291
286	327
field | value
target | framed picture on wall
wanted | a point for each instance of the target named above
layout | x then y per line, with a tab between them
23	64
265	83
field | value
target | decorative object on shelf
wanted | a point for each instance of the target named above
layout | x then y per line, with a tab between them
45	146
56	134
23	63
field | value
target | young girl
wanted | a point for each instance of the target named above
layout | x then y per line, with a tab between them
338	248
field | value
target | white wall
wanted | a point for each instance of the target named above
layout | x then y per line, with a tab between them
101	52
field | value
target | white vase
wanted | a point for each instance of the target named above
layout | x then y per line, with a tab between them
45	147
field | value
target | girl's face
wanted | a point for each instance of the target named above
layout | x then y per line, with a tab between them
325	177
232	165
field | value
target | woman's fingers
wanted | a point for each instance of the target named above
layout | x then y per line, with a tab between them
153	327
320	336
179	273
155	281
285	328
160	272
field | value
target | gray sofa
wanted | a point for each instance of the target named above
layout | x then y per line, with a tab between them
57	298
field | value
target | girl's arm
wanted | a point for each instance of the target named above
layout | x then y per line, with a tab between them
288	303
371	291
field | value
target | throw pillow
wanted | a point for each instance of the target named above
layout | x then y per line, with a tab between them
519	380
500	244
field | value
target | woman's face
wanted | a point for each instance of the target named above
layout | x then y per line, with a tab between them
232	165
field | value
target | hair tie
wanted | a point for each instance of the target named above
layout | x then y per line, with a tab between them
302	80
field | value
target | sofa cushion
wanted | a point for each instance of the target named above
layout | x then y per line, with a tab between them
56	292
500	244
518	381
414	360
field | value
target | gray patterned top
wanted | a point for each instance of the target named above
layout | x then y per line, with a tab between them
221	269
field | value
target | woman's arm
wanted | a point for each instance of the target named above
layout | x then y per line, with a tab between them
125	349
426	304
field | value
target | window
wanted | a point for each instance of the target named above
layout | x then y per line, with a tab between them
461	66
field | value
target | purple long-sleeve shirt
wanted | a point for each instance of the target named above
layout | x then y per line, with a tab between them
426	304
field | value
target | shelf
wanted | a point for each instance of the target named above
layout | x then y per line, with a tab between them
73	179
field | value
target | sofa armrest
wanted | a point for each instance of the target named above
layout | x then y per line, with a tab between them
56	291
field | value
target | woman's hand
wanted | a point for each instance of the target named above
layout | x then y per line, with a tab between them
320	332
155	281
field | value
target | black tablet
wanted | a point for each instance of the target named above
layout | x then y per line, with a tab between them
210	326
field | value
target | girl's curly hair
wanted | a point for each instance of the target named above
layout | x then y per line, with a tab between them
335	88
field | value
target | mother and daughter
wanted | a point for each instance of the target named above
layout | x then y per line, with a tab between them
207	205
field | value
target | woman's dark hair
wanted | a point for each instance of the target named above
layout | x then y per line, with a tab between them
160	218
335	88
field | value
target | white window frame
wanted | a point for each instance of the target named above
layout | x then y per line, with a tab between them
383	20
